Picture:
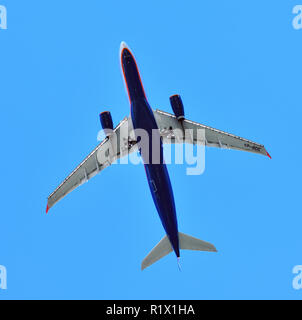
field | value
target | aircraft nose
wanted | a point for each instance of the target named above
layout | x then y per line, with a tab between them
125	51
123	46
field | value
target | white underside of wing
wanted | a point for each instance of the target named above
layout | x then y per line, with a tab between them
174	131
108	151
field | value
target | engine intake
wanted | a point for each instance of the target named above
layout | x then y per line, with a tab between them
177	106
106	122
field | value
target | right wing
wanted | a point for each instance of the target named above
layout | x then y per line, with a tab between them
118	145
172	131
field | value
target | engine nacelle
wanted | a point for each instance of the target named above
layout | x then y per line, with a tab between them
177	106
106	122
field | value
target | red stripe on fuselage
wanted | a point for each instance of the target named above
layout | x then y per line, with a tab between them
139	76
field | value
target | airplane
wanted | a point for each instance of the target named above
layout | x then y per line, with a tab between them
122	140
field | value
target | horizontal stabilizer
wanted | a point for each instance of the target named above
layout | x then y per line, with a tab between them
185	242
161	250
190	243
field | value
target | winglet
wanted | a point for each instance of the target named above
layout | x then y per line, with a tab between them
268	155
47	208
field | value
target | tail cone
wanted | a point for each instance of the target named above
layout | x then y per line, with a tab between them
178	263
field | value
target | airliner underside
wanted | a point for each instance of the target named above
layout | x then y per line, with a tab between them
123	140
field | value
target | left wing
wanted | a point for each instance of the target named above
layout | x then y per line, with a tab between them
173	131
116	146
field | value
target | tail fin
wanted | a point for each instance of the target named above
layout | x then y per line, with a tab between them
185	242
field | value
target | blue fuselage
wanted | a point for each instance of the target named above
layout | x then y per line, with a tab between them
156	170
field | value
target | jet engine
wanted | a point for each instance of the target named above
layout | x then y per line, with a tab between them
106	122
177	107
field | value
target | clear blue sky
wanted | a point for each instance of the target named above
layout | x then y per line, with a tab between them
237	66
